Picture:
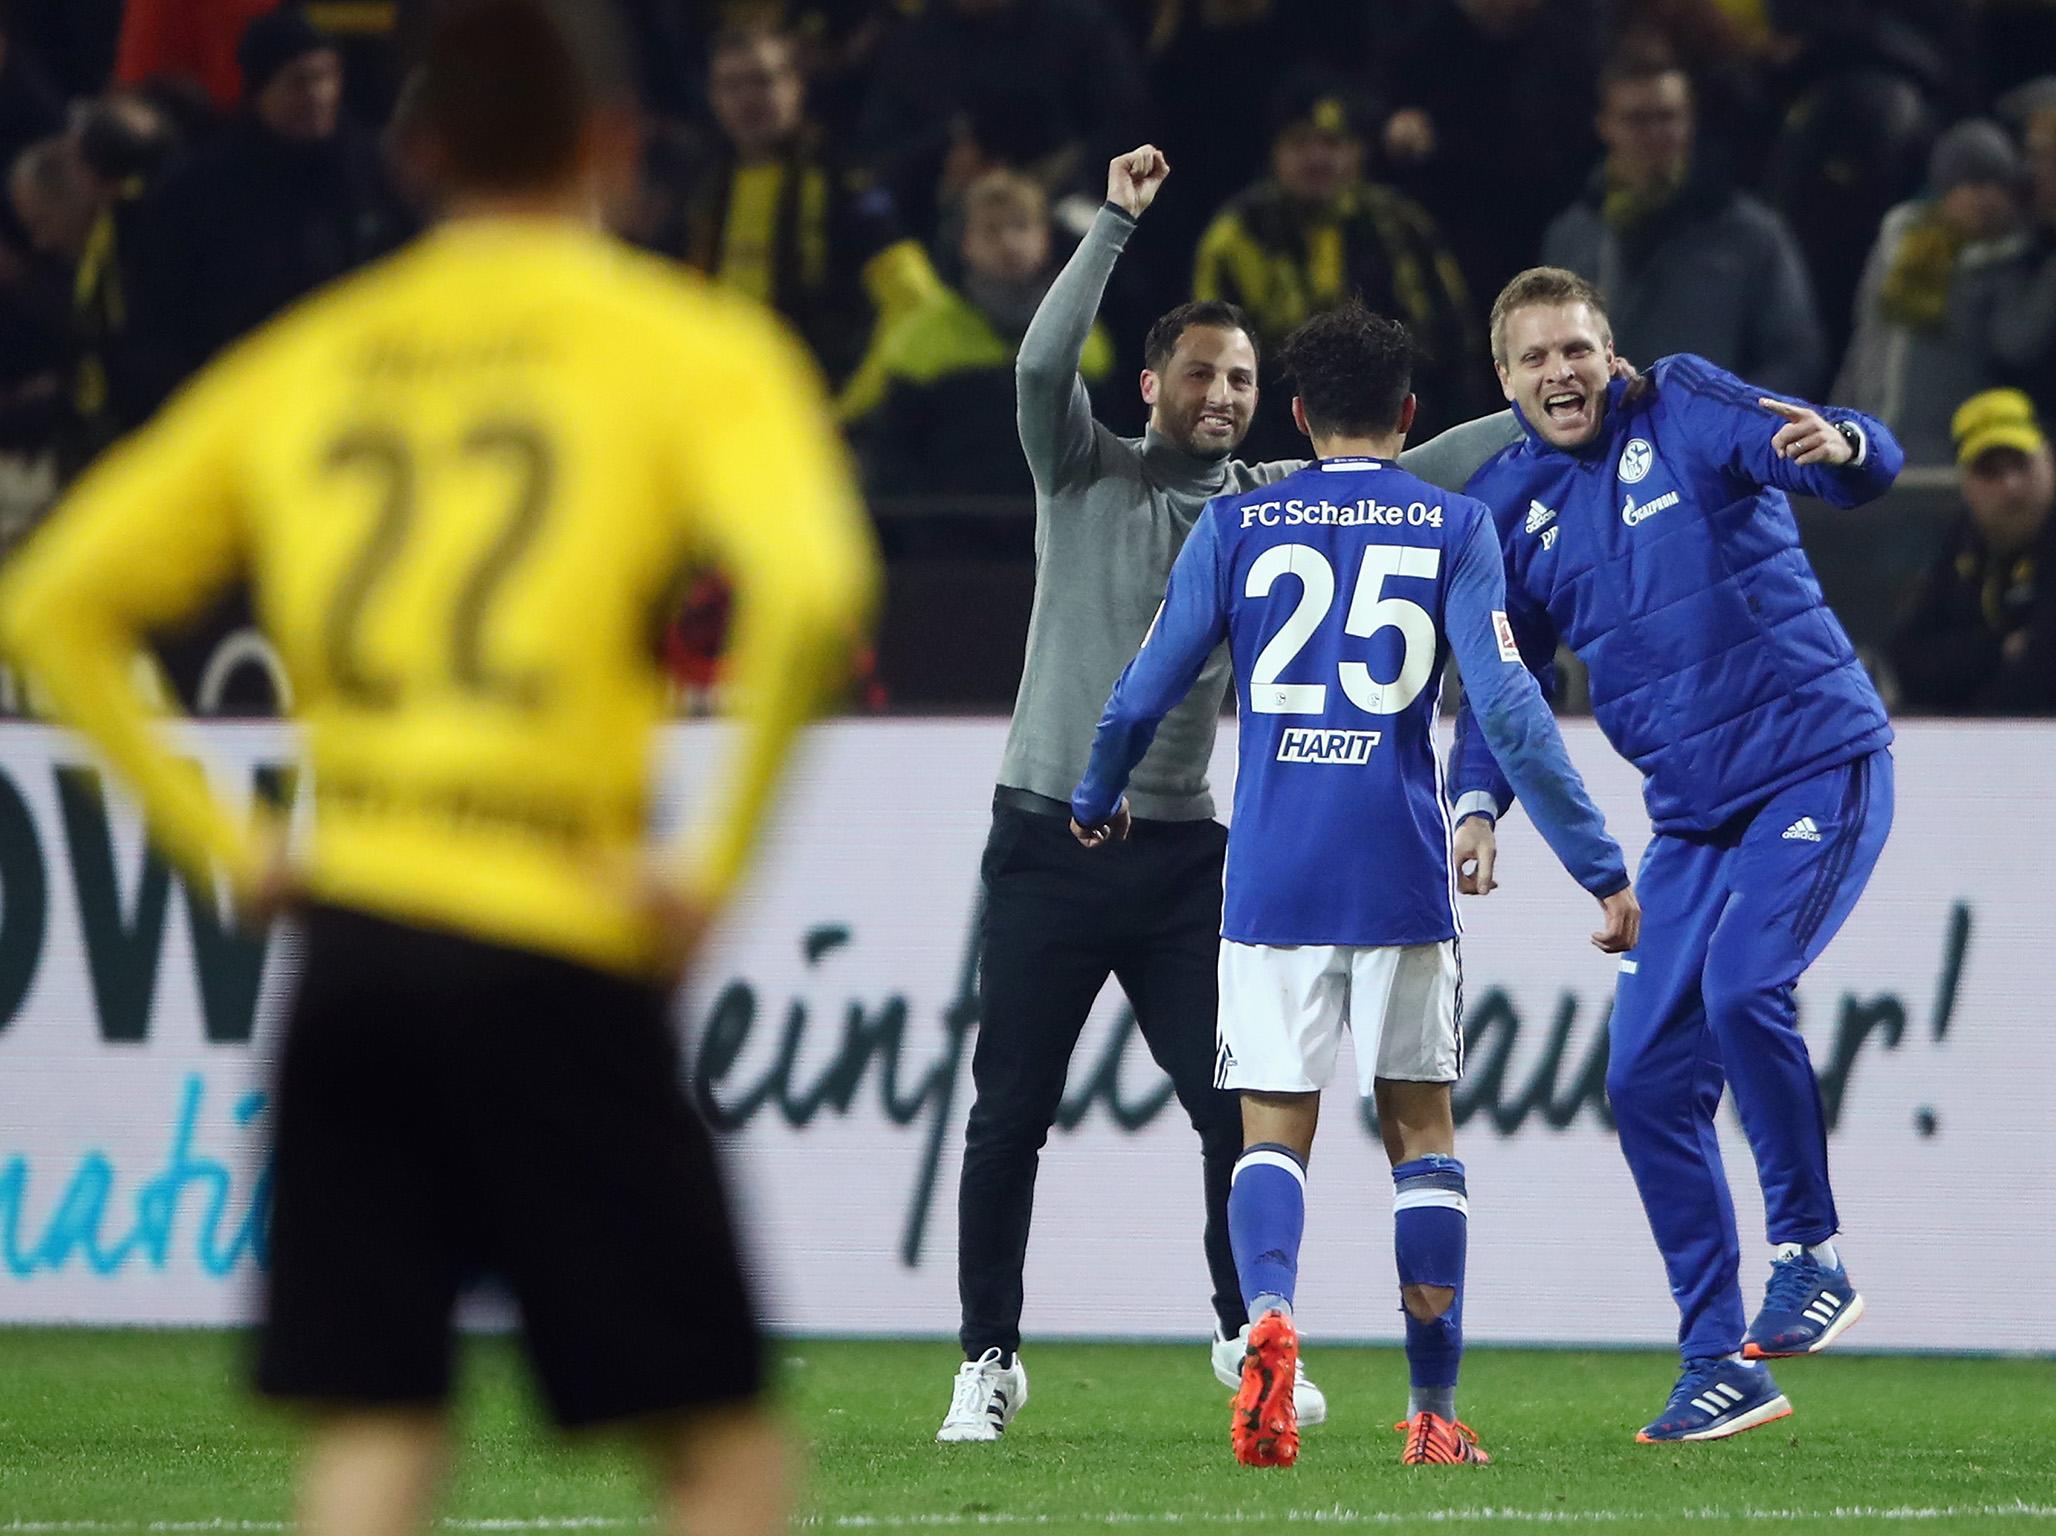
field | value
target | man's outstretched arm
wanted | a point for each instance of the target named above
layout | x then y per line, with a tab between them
1777	441
1051	408
1452	456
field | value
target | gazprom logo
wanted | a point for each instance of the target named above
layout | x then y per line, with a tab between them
1302	744
1632	514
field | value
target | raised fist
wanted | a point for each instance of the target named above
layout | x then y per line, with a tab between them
1133	179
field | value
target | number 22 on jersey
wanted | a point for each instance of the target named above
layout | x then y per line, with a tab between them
393	466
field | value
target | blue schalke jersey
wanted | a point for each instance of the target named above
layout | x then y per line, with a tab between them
1341	591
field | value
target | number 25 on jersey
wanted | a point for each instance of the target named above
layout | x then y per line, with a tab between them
1369	612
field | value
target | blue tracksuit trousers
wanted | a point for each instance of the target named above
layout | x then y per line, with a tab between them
1730	920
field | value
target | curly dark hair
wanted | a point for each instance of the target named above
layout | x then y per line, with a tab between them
1162	340
1352	370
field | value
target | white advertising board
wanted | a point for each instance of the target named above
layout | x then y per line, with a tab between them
831	1027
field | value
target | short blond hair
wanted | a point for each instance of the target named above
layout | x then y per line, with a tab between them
1545	287
1008	190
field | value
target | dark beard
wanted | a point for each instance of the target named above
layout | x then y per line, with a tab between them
1187	441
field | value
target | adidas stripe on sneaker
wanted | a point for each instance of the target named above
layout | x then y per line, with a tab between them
1715	1399
1806	1307
984	1398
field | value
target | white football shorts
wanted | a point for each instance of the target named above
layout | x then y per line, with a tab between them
1284	1008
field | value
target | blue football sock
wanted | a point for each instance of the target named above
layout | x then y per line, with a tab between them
1430	1231
1266	1217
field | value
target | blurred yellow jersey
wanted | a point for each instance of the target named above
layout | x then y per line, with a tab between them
464	485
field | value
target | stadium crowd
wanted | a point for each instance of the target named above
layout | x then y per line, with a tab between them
1842	199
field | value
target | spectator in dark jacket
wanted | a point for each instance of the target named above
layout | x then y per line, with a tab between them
770	210
291	196
1931	317
1979	632
1048	87
79	196
1313	234
935	407
1687	263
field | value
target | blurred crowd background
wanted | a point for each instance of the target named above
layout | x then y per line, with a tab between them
1850	200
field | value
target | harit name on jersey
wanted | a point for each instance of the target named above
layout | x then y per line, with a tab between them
1303	744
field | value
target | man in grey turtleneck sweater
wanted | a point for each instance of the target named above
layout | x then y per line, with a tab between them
1110	516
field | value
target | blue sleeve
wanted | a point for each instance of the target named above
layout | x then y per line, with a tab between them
1476	782
1516	725
1729	424
1190	624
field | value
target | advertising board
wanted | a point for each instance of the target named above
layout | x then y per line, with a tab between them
830	1032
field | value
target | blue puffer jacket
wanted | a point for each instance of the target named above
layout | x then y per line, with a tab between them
1666	554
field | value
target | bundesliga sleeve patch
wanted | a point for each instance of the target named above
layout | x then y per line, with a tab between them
1502	628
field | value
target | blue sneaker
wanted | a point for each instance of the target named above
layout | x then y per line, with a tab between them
1806	1307
1715	1399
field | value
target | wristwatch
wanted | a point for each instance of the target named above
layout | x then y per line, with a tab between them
1853	436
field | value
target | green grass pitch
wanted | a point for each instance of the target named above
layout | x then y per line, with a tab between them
140	1432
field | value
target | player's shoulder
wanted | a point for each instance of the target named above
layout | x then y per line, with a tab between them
1455	513
1245	478
1233	510
1495	485
1694	404
676	305
672	323
329	320
1462	512
1687	378
1251	483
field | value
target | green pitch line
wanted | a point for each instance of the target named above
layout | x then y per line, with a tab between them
108	1433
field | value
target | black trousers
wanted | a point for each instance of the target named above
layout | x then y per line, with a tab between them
1059	919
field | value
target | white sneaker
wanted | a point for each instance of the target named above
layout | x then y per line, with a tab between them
1308	1400
984	1399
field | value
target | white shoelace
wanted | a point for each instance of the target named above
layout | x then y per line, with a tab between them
971	1397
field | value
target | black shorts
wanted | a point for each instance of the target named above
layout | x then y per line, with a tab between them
450	1109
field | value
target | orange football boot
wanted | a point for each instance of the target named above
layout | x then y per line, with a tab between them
1264	1428
1433	1441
